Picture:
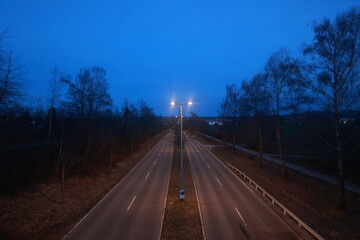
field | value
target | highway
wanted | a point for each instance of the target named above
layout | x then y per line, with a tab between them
229	208
134	208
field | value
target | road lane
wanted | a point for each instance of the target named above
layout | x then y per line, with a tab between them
134	208
229	208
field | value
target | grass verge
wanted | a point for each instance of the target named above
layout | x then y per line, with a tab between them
35	213
312	200
182	219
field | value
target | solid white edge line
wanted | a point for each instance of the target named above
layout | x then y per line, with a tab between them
167	190
197	198
147	175
131	204
240	216
132	169
228	168
218	181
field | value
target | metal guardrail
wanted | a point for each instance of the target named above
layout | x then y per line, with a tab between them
274	201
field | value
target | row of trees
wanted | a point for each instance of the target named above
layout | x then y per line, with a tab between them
81	130
325	79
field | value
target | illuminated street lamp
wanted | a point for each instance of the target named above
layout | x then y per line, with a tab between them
182	189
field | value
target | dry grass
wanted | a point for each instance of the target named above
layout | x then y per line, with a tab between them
182	219
312	200
37	214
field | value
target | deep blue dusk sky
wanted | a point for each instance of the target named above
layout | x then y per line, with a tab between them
159	50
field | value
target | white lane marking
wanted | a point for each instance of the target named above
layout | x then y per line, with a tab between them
202	156
201	217
165	200
123	179
208	165
154	162
147	175
131	204
229	170
218	181
240	216
159	155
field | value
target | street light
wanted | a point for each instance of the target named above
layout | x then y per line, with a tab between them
182	189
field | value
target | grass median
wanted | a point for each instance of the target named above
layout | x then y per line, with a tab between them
182	219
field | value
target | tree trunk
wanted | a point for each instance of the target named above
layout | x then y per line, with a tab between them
339	160
234	137
60	151
88	148
261	147
50	123
63	182
111	150
280	147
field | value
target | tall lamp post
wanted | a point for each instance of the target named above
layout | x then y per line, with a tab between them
182	189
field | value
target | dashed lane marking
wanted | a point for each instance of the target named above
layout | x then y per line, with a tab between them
240	216
131	204
218	181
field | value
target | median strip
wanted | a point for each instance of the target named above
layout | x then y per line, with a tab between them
182	219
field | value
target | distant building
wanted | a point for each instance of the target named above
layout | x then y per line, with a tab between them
214	121
346	120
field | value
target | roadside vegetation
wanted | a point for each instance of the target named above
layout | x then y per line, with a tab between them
306	105
61	153
37	213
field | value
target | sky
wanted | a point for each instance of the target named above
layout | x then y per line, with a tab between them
159	50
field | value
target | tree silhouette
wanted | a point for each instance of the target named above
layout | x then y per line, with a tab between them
333	74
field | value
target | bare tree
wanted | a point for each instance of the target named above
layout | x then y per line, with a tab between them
99	98
230	108
333	74
256	103
88	95
283	86
55	88
11	72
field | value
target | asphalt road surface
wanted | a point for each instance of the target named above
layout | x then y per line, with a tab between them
134	208
229	208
